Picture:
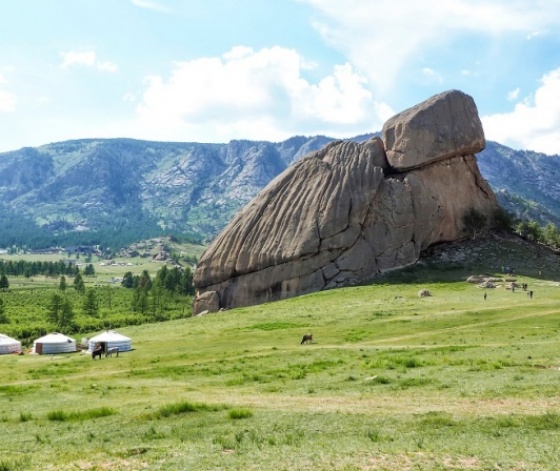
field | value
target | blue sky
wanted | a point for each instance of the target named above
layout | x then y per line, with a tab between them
216	70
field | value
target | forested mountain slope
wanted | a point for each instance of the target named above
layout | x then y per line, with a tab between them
115	191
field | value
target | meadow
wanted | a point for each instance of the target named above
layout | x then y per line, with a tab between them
391	382
26	302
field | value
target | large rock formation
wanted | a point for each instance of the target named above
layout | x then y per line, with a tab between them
350	211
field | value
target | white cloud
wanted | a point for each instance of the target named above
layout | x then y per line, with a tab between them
7	102
149	4
381	38
257	95
534	34
513	94
107	66
534	122
432	75
86	59
78	58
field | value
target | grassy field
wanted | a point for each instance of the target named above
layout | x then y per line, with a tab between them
104	272
391	382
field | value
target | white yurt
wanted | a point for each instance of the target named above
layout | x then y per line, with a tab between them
110	339
54	343
9	345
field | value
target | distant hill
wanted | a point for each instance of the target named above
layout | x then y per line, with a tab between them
116	191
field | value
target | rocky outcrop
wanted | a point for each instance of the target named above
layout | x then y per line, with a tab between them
348	212
439	128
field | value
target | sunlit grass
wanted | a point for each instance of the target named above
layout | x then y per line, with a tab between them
391	381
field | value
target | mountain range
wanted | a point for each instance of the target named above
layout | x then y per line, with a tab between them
116	191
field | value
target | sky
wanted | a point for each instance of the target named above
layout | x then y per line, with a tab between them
218	70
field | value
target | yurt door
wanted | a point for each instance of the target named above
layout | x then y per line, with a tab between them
39	348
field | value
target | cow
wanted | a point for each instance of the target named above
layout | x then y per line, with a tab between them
307	338
110	352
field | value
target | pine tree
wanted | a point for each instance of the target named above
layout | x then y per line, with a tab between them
60	311
128	280
3	317
145	283
4	283
79	284
62	285
186	284
90	306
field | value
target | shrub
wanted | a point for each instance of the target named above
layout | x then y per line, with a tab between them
61	416
237	414
474	222
183	408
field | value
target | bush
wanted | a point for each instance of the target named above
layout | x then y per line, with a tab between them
474	222
183	408
237	414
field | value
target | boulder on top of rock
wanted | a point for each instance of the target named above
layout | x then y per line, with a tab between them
443	126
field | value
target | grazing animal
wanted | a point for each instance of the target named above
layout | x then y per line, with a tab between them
307	338
96	352
110	352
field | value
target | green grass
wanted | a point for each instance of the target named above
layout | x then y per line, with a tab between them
392	381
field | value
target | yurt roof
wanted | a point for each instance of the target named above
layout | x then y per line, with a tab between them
55	337
4	339
109	336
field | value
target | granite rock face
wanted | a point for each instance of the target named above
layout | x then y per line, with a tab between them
439	128
348	212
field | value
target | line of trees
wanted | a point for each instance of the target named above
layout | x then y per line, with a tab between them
477	223
175	280
152	297
52	269
531	230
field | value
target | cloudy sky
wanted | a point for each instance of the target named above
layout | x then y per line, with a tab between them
216	70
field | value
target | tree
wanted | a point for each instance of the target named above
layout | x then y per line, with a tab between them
475	222
4	283
60	311
534	232
79	284
161	275
504	220
145	282
62	284
186	285
89	270
158	303
3	317
90	306
128	280
172	280
551	235
139	301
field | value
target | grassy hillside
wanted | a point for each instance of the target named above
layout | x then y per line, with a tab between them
392	381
